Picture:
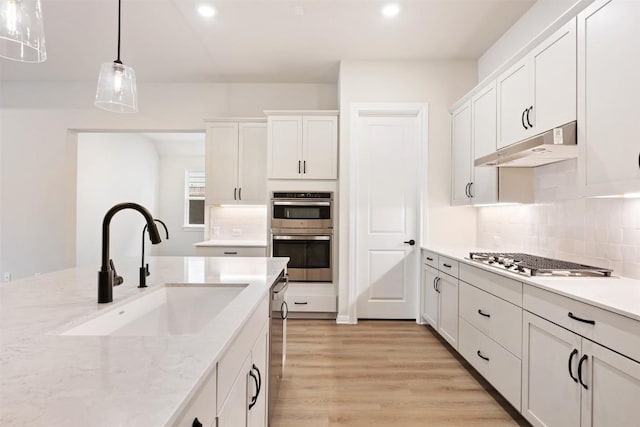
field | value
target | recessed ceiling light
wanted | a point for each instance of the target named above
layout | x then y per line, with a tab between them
390	10
206	11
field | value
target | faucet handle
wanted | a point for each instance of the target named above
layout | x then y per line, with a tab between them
117	280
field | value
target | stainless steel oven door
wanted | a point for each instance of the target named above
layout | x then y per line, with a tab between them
310	255
302	214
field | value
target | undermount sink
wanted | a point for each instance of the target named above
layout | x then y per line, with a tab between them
169	310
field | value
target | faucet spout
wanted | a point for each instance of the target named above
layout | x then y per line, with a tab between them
106	273
144	269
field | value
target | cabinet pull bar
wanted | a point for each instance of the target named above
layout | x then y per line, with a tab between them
528	112
447	265
254	399
582	360
434	283
259	380
429	259
481	356
230	252
522	118
300	303
235	193
591	322
304	166
470	192
437	281
240	193
299	166
466	189
573	353
482	313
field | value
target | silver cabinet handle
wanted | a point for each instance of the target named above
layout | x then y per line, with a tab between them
230	252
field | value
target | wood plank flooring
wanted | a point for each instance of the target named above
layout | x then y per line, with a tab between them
381	373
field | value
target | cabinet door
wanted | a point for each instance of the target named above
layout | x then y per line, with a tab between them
608	93
513	103
550	397
613	383
430	296
320	147
259	355
234	410
252	173
461	154
553	67
222	163
484	187
448	321
285	147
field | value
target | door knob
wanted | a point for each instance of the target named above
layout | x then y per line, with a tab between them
411	242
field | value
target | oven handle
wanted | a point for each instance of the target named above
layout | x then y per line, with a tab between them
302	237
301	203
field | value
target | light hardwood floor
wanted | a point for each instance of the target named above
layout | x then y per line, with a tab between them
381	373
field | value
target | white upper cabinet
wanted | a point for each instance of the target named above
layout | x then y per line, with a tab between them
538	92
461	154
236	165
484	183
303	146
608	93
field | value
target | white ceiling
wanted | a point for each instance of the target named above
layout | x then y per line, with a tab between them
258	40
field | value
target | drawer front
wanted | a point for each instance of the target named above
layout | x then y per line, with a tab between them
612	330
231	362
496	284
448	265
502	369
231	251
311	303
202	405
495	317
430	258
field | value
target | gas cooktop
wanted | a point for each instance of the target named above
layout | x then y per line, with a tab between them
532	265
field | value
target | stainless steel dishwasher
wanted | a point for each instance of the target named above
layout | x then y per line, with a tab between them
277	339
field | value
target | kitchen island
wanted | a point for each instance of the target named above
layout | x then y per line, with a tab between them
46	378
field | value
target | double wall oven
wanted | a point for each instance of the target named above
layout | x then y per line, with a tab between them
302	229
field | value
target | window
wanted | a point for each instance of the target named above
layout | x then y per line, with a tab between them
194	199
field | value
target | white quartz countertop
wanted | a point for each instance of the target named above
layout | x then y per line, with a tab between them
235	243
48	379
617	294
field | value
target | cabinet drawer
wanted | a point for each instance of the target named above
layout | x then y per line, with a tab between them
495	284
497	318
502	369
232	360
612	330
448	265
315	303
430	258
239	251
202	406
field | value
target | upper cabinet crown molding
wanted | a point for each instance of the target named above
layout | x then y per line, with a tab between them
302	112
236	120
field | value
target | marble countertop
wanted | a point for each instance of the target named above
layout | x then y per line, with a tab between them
48	379
620	295
235	243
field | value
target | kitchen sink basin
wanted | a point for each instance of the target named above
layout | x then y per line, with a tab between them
169	310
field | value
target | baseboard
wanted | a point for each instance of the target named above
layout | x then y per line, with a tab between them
345	320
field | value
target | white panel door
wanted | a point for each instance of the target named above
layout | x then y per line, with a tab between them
461	154
258	412
484	187
613	393
320	147
234	410
430	297
608	94
447	287
386	208
553	67
252	174
285	147
513	103
550	356
222	163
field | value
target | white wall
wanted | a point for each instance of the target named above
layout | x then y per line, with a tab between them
600	232
171	205
438	84
113	168
38	146
536	19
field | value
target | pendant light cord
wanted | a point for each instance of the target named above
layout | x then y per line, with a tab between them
119	7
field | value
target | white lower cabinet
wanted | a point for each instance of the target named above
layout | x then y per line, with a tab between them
430	299
448	320
568	380
237	251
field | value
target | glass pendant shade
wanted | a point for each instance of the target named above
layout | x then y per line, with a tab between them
22	31
117	90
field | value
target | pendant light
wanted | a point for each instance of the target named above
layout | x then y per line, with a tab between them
22	31
117	84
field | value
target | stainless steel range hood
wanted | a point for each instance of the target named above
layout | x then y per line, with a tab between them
549	147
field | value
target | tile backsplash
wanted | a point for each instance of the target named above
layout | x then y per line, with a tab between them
238	222
595	231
